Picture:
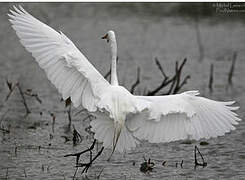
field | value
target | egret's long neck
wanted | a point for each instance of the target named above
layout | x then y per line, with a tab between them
113	45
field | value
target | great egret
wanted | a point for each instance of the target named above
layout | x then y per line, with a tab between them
122	118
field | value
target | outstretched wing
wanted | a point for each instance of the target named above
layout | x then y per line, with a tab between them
181	116
66	67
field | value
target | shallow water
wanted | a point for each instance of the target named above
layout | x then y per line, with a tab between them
140	39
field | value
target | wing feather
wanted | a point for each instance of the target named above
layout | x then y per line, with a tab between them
66	67
182	116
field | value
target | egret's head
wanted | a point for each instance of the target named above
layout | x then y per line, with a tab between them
110	36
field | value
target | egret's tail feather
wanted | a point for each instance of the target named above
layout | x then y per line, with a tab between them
116	138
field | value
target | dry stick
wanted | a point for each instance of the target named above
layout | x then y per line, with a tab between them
25	172
137	82
165	81
179	85
69	116
199	41
107	74
4	130
86	165
75	173
196	162
181	164
23	98
35	96
76	136
7	172
210	84
160	67
11	89
175	80
80	153
232	68
98	177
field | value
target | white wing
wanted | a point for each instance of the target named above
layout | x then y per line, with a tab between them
66	67
181	116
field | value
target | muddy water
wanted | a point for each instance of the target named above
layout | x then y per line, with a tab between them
35	146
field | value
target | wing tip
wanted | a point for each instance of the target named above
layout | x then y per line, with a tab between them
192	93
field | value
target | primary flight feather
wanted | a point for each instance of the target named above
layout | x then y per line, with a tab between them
122	119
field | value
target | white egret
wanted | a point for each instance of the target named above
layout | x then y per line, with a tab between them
122	119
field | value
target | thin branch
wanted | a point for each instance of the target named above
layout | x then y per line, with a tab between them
160	67
231	72
28	93
69	115
199	40
107	74
196	162
77	155
11	88
137	82
175	81
210	83
23	98
178	77
92	159
4	130
77	138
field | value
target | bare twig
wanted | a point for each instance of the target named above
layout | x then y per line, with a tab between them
77	138
160	67
25	173
69	116
179	85
108	74
11	88
28	93
175	81
89	164
196	162
98	177
77	155
199	40
231	72
4	130
23	98
74	176
137	82
210	84
7	172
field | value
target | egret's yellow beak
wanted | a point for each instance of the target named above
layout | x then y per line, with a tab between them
117	131
106	37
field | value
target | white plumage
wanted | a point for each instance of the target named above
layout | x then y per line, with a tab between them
122	118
